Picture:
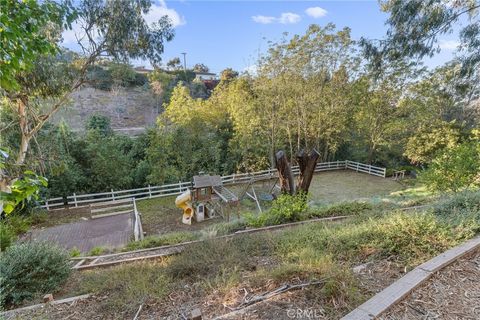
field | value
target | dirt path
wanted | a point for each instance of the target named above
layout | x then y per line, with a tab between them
452	293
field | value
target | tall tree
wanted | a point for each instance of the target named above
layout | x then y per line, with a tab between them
108	28
415	28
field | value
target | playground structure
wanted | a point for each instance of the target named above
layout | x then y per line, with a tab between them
207	199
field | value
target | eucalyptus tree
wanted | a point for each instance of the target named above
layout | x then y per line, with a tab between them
415	27
116	29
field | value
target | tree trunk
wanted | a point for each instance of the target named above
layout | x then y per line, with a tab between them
285	174
307	164
24	130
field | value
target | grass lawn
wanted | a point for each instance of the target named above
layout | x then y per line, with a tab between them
345	185
160	216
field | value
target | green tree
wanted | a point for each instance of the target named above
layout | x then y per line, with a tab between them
174	63
26	32
113	28
416	26
228	74
200	67
99	123
455	168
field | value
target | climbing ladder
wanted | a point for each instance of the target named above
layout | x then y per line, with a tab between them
226	195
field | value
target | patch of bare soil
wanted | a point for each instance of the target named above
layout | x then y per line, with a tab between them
452	293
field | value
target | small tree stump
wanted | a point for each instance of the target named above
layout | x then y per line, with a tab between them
285	174
307	164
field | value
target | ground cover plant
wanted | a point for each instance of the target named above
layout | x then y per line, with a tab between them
31	269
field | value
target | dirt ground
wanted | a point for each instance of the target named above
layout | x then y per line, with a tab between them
452	293
306	303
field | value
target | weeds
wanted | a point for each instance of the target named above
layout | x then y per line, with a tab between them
128	285
163	240
342	208
96	251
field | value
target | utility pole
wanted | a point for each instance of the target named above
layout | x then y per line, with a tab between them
184	62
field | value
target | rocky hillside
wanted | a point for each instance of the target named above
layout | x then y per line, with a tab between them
131	110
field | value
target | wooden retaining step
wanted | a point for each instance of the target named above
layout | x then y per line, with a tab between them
116	213
391	295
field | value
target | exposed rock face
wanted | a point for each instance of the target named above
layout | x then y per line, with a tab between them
130	110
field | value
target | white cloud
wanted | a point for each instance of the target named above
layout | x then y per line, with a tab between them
159	10
448	44
316	12
285	18
156	12
263	19
289	18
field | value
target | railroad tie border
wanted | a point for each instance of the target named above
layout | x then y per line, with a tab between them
391	295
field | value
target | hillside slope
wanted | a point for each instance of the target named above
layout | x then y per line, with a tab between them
130	110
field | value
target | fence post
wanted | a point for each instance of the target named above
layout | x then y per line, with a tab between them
149	192
46	205
75	199
357	166
113	195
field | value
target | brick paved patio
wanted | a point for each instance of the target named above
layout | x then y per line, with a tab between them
108	232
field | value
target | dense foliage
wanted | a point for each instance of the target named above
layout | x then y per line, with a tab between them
30	269
313	90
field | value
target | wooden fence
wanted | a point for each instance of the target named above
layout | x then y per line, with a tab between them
82	200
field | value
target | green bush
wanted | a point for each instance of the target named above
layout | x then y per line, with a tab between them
7	236
463	202
285	209
163	240
31	269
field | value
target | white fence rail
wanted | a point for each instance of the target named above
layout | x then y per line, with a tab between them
177	188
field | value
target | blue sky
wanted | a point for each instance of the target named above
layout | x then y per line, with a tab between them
225	34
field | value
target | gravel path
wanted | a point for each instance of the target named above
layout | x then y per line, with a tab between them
452	293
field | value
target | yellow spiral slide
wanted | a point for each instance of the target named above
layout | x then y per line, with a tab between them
183	201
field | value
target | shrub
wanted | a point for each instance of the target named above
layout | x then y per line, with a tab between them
285	209
454	169
18	223
7	236
30	269
463	202
163	240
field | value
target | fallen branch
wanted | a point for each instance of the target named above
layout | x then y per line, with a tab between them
280	290
138	312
